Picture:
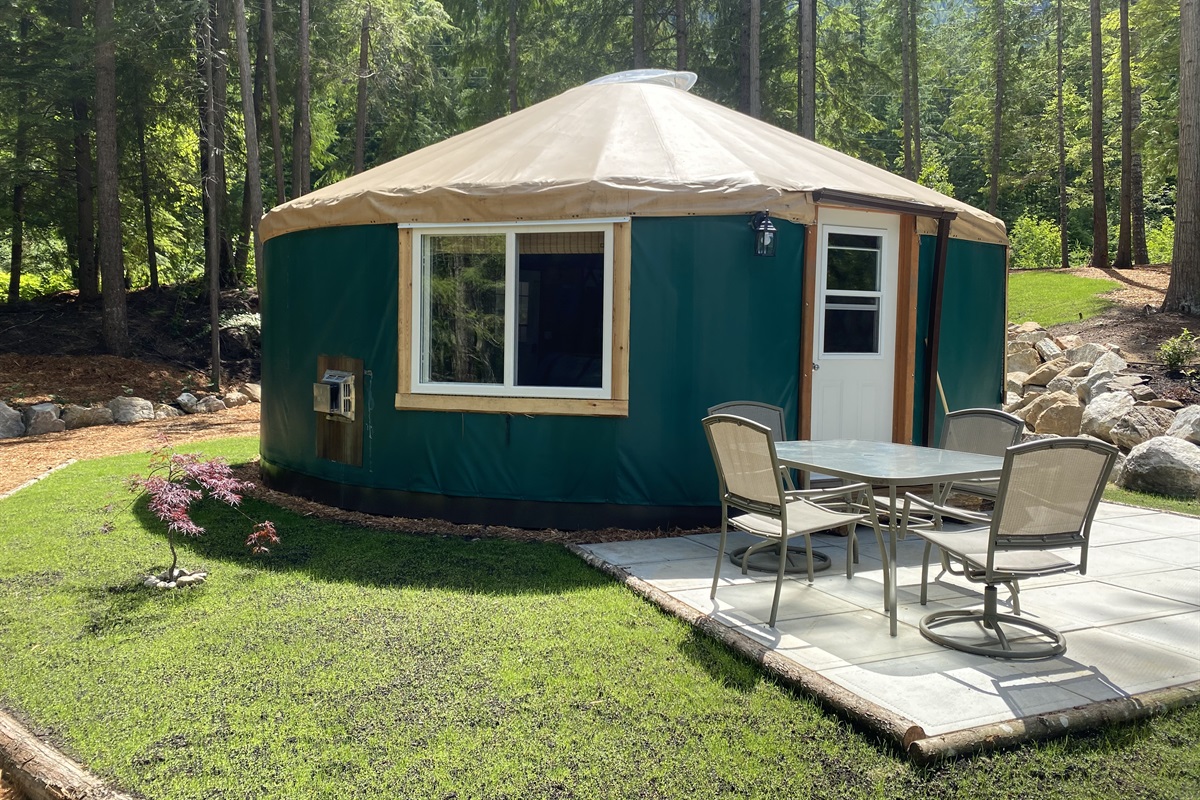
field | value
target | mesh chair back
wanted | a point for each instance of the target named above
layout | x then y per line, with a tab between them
744	454
981	430
1049	491
762	413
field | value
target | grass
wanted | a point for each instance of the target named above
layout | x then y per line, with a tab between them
359	663
1155	501
1051	298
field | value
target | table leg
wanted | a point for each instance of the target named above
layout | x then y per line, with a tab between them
890	588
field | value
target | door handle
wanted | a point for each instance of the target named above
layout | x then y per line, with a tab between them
816	366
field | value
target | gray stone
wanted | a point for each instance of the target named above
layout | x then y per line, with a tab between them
1127	382
1143	393
1079	370
1037	437
86	417
1094	385
1014	382
1085	352
253	391
164	411
234	399
1104	412
43	418
11	424
208	405
131	409
1117	468
1030	337
1109	362
1163	402
1047	349
1024	361
1047	372
1068	341
1011	400
1013	346
187	401
1140	425
1063	383
1186	425
1163	465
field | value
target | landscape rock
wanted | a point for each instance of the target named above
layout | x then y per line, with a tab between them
1062	417
209	405
1047	372
1014	382
1186	425
1047	349
1068	341
1031	337
187	401
253	391
1109	362
1163	402
234	399
1100	415
1063	383
1094	385
164	411
131	409
1163	465
74	416
11	424
43	418
1024	361
1027	327
1142	393
1089	352
1034	410
1078	370
1140	425
1011	400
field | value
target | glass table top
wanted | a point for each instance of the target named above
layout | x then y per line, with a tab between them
886	462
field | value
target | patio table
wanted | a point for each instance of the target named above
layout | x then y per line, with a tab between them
891	465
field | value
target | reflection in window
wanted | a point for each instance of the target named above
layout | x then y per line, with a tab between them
853	292
465	279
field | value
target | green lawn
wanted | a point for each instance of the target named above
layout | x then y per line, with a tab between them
360	663
1051	298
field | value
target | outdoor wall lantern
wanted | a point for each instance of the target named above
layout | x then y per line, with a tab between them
764	234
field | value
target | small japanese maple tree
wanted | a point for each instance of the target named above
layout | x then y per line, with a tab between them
177	480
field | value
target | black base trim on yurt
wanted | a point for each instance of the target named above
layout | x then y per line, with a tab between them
532	514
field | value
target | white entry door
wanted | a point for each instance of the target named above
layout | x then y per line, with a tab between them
854	347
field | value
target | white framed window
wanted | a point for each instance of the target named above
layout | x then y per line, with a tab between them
516	310
852	292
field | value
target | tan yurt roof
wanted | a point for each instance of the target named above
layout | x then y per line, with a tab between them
618	149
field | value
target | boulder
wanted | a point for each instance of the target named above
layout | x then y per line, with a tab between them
86	417
1094	385
1162	402
208	405
1186	425
1026	361
253	391
234	399
1163	465
1047	349
1063	383
43	418
1068	341
1062	418
164	411
1034	410
11	424
1127	382
1011	400
1104	412
131	409
1014	382
1109	362
1079	370
1027	327
1047	372
1141	424
1142	393
1030	337
187	401
1085	352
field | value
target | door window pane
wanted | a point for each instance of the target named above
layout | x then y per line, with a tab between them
465	302
852	262
851	324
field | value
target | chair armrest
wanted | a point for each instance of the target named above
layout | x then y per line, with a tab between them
825	494
911	500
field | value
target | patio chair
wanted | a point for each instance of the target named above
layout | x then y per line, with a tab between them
1041	525
978	430
751	482
763	414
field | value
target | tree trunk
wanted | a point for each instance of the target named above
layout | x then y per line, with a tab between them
915	89
147	207
1140	253
1099	202
998	110
1183	292
115	323
301	150
212	238
513	61
639	34
1063	242
273	100
806	69
755	58
253	196
221	23
905	91
681	35
85	211
21	158
360	115
1124	259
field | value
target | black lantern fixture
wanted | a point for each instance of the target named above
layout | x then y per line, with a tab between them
764	234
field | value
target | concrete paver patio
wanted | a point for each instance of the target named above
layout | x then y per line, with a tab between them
1132	626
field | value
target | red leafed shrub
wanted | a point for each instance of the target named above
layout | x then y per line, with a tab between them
177	480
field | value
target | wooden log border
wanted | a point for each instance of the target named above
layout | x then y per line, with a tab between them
908	737
43	773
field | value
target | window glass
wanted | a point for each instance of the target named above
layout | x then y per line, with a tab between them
851	324
465	301
853	268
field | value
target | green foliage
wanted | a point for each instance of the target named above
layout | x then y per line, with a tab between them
1178	351
1051	298
1160	241
1035	243
357	662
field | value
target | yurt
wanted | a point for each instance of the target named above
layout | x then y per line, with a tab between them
524	324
